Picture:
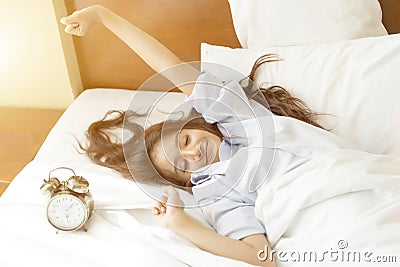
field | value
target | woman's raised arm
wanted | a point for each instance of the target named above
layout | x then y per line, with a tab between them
155	54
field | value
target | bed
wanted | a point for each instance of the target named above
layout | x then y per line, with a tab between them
357	82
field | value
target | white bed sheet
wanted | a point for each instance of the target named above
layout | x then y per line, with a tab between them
121	231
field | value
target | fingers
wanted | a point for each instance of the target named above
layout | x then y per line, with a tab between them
159	208
70	29
64	20
170	198
73	26
69	19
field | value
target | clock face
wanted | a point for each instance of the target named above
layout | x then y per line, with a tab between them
66	212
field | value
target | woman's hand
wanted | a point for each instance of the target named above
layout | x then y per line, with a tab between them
80	22
170	209
154	53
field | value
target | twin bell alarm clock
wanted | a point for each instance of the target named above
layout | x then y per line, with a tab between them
69	203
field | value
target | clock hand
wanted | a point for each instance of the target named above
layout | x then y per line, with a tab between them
67	212
69	208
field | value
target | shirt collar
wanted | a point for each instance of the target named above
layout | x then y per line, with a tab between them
205	173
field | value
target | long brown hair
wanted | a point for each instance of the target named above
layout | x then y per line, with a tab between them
279	100
131	157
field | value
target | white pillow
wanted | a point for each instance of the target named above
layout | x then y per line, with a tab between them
357	81
291	22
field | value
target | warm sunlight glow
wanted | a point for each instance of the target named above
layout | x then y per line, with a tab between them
9	46
32	66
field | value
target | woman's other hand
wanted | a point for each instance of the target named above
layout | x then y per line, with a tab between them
170	209
80	22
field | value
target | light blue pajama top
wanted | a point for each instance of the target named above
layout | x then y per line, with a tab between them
258	146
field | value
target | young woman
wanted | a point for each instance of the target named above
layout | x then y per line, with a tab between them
222	156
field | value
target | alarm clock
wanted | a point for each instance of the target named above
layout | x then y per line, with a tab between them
69	203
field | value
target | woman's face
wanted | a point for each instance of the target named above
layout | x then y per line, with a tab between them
178	155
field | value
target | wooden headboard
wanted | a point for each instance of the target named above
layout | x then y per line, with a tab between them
104	61
181	25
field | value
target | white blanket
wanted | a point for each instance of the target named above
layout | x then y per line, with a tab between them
345	203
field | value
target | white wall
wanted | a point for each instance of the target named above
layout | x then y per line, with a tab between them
33	69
